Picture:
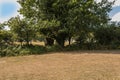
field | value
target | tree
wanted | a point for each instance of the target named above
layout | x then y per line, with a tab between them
48	32
1	36
108	34
45	13
104	35
22	28
5	37
73	16
89	16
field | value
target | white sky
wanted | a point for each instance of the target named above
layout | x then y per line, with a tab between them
117	2
116	17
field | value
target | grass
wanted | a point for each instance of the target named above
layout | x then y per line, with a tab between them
33	42
81	65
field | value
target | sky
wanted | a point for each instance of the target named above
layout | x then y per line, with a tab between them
9	8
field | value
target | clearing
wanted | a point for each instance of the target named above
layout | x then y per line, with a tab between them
81	65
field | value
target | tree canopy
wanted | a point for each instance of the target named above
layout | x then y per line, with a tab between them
68	17
84	24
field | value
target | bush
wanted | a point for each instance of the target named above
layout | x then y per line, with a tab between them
54	48
24	52
72	47
37	49
21	50
8	51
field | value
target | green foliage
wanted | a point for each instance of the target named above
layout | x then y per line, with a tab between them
84	21
71	16
22	28
9	50
73	47
104	36
35	49
54	48
6	36
108	35
12	50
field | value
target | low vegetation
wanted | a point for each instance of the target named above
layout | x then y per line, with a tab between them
85	25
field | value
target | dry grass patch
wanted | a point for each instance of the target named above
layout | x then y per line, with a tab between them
90	65
34	43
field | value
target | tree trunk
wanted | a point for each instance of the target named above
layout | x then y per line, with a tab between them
27	38
49	42
60	42
21	43
69	39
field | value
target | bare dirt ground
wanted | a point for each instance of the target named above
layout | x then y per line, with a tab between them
81	65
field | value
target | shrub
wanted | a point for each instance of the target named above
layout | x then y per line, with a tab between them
24	52
37	49
8	51
54	48
13	50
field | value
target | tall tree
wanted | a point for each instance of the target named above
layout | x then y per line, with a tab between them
73	16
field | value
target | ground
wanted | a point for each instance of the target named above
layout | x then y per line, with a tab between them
81	65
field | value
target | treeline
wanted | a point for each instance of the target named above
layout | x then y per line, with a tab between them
85	24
